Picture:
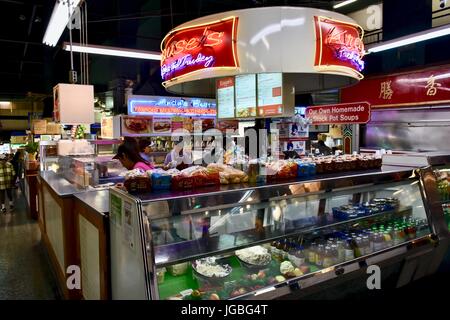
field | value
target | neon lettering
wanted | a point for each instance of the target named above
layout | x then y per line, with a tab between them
187	60
174	48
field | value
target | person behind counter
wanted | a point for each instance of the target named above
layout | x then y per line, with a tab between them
291	153
178	157
145	148
130	158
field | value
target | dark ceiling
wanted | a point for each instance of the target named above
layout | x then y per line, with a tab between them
29	66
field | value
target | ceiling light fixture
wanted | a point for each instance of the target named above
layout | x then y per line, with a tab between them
409	39
59	20
343	3
113	51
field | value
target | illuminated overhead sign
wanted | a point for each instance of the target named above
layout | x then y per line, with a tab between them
339	46
196	48
169	106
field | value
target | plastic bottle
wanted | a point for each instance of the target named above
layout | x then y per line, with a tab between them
312	253
340	251
348	250
320	255
327	257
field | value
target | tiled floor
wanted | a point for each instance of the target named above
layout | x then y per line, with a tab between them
24	268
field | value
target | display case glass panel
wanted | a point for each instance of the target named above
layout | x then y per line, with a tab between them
443	185
215	250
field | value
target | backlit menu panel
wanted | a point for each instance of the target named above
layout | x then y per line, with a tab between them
246	96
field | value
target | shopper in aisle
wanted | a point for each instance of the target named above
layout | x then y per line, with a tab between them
15	163
7	175
130	158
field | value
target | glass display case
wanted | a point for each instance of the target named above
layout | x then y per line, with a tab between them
262	241
79	170
48	155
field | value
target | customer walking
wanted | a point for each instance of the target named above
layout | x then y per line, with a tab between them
7	175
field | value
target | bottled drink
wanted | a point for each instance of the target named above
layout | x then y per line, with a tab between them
387	239
340	251
299	256
378	242
327	257
359	249
349	254
334	254
312	252
366	244
320	255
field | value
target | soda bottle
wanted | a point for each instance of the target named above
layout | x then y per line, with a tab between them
320	255
366	244
312	252
340	251
359	249
299	256
327	257
349	254
334	254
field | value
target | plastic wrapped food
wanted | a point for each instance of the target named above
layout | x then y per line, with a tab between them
178	269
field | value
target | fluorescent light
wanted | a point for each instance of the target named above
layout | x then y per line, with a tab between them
412	38
112	51
5	103
58	21
343	3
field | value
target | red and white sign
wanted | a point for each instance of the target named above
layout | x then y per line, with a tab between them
225	98
193	49
420	87
343	113
339	46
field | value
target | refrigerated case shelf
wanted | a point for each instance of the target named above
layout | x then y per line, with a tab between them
199	248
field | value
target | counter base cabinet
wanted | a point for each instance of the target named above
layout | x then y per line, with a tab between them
280	241
56	220
93	247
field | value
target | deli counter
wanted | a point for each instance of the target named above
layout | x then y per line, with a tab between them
279	240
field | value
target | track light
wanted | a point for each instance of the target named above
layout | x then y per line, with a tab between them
409	39
62	10
113	51
343	3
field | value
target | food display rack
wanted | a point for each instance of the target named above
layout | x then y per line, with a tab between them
153	232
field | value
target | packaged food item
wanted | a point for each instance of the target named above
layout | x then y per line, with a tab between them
160	273
161	180
178	269
137	181
254	256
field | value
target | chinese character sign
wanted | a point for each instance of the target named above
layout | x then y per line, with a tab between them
422	87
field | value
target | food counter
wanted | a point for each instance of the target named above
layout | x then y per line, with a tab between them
74	228
273	240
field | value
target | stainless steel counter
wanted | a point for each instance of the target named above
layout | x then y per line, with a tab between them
61	186
97	200
281	187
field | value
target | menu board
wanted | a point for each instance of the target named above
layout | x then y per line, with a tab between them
270	97
225	98
107	128
246	96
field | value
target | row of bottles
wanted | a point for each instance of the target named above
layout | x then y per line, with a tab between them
345	245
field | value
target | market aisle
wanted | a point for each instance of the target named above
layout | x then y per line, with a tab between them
24	269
